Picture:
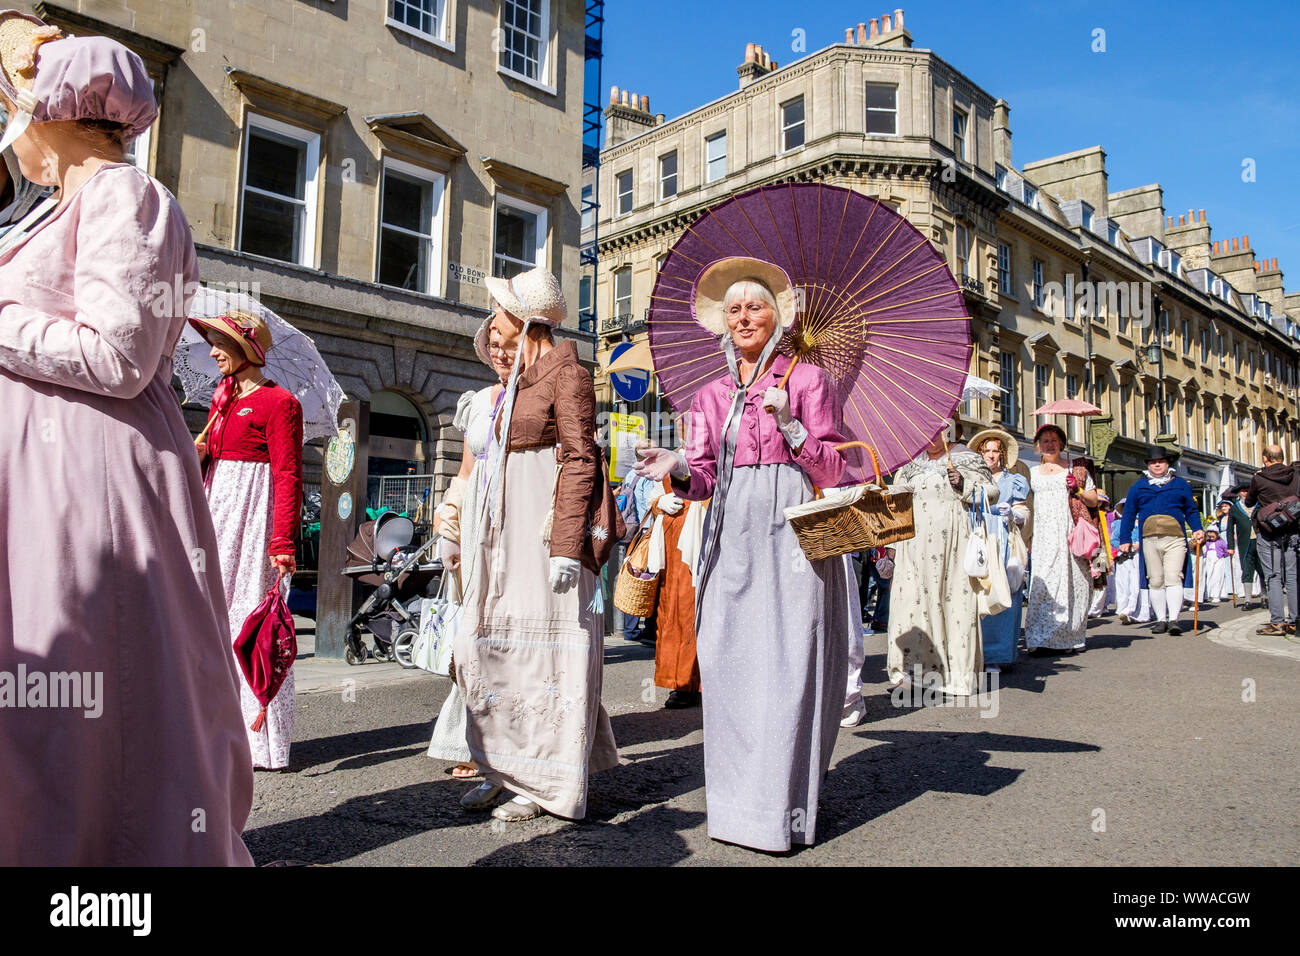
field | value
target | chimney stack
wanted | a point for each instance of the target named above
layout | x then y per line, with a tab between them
628	115
757	64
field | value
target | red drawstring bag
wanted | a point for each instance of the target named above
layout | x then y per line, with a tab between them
266	648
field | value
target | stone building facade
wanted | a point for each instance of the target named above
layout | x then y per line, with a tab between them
876	114
363	165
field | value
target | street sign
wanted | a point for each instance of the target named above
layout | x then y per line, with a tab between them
629	385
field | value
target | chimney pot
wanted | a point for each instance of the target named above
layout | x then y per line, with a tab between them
848	35
774	66
645	104
613	95
1202	215
1234	243
875	28
898	19
1182	221
659	119
1191	216
623	100
749	53
1245	242
1216	247
862	31
1275	263
884	24
1171	222
767	60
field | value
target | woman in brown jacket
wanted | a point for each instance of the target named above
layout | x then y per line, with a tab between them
529	649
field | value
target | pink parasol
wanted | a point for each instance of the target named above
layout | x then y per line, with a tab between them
1067	406
879	310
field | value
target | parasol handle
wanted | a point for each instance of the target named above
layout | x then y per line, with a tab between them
207	428
784	378
946	451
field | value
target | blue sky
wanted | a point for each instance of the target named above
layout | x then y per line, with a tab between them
1182	95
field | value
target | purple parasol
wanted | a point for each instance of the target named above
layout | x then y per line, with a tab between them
879	310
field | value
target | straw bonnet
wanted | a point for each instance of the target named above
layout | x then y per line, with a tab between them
51	77
1010	450
481	342
246	328
708	296
533	295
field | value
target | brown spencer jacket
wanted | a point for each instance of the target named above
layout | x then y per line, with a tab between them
556	404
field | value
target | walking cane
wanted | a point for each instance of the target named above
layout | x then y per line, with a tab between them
1196	614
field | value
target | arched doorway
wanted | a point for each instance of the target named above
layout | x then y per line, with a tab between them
399	452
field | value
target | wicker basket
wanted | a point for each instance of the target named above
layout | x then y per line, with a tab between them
876	519
633	594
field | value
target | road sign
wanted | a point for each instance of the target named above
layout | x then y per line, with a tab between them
629	385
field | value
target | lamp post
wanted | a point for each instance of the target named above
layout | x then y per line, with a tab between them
1156	356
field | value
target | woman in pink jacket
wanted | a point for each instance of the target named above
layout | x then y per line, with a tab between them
772	627
112	603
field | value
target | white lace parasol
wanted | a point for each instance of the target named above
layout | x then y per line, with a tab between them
293	362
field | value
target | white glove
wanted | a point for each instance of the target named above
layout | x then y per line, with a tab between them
670	504
449	554
1003	508
885	568
778	399
564	574
658	463
1020	516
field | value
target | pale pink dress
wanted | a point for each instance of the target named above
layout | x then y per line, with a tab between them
108	559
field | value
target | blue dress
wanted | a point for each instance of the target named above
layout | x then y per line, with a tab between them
1001	632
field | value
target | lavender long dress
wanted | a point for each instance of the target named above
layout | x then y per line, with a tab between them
108	559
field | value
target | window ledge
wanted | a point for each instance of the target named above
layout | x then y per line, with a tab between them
419	35
793	150
538	84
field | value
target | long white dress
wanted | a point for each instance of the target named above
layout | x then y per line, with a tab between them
1060	585
240	496
934	625
474	417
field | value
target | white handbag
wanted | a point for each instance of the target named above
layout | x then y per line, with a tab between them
1017	559
976	561
433	644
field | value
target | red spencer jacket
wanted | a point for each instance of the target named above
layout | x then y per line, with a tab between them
266	425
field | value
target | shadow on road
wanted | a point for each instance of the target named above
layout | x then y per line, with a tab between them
872	782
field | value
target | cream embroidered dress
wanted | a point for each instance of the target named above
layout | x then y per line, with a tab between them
934	630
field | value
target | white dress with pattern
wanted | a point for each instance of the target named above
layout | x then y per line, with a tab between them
240	498
1060	585
474	419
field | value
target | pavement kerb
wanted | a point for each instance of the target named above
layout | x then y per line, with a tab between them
1240	634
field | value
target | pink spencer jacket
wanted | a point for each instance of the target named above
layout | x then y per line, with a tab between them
814	401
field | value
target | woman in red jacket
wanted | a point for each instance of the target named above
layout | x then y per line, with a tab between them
253	474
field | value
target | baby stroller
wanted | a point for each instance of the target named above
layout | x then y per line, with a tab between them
381	556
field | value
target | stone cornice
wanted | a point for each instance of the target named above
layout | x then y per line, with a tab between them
274	97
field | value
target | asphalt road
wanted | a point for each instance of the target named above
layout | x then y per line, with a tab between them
1143	750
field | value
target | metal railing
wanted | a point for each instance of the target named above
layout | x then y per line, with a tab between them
403	493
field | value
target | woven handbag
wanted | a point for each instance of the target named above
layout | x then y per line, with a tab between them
636	589
869	516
